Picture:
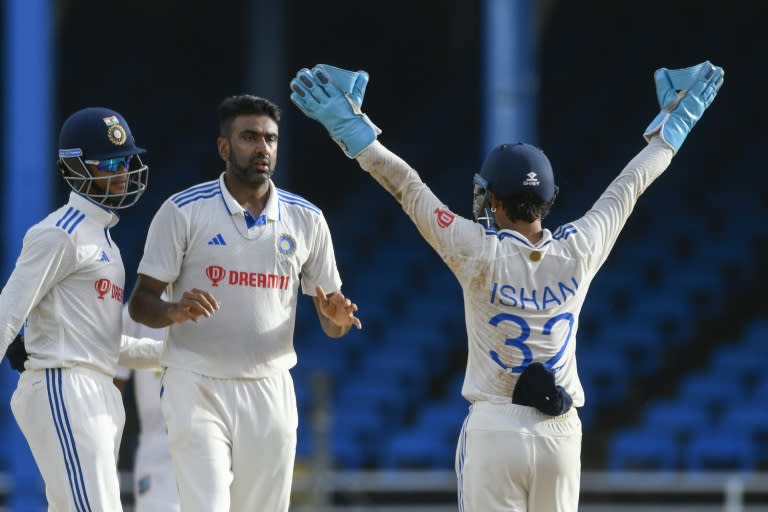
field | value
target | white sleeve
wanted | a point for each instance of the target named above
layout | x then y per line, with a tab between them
165	246
320	268
457	240
605	220
47	257
140	353
123	373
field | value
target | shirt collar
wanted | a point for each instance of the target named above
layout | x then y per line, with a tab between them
271	210
546	237
93	210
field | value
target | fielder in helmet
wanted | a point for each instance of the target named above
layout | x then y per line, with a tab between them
66	291
523	286
520	176
98	158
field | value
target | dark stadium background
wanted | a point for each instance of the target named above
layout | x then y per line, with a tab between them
166	65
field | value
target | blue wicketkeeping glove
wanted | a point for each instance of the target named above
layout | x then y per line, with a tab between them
333	97
684	95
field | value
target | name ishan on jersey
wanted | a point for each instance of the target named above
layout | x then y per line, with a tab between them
505	294
218	274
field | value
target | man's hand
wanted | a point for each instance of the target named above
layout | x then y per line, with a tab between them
338	310
333	97
684	95
17	353
193	304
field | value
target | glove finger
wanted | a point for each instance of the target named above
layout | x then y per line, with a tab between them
706	87
710	86
342	78
358	90
299	88
306	83
325	83
665	91
713	86
684	78
307	103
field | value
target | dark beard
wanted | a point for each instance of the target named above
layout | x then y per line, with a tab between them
246	174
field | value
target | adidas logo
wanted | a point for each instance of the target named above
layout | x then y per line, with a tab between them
104	257
217	240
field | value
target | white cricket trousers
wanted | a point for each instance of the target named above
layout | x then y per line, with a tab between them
232	441
73	420
513	458
154	479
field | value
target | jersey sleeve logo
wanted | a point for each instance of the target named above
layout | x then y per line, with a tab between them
444	217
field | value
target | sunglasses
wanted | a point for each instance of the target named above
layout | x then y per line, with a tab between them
111	165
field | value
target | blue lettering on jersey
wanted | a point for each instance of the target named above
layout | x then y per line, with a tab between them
511	296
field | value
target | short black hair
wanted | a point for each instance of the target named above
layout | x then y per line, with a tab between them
527	207
243	105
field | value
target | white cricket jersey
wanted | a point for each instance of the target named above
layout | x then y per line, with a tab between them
521	300
202	238
68	285
146	384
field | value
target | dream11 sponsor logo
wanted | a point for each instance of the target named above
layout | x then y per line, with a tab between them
104	286
218	274
444	217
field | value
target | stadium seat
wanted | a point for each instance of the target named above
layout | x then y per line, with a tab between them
710	390
607	372
739	362
676	418
641	344
383	396
672	314
444	418
719	451
756	334
418	449
636	449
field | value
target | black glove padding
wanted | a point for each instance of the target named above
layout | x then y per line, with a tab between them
17	354
536	387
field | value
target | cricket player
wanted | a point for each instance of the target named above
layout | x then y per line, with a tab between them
523	285
233	254
67	291
154	479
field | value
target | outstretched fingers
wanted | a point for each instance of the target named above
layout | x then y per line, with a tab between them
338	309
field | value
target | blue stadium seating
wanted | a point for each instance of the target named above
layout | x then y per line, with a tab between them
608	373
641	449
719	451
677	418
641	344
418	449
710	391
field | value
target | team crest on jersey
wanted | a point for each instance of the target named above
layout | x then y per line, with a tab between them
286	244
444	217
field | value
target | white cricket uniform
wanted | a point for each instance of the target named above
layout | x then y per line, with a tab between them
228	397
522	303
154	479
68	285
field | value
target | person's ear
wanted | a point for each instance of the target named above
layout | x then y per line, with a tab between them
223	145
495	202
